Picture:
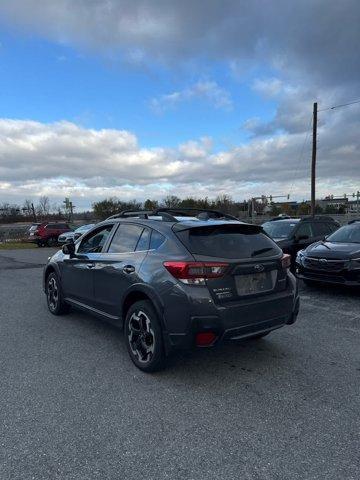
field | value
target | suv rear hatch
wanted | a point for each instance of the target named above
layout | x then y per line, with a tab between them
250	263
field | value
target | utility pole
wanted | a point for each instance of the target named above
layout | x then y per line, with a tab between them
33	212
313	159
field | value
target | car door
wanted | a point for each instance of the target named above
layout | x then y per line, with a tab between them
118	268
303	236
77	272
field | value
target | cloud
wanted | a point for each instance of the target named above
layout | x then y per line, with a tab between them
208	91
63	159
315	39
310	49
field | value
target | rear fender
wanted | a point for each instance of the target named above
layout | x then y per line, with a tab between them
157	303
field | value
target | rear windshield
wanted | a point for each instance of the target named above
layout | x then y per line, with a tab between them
225	242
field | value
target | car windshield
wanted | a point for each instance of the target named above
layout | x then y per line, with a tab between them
83	228
346	234
279	229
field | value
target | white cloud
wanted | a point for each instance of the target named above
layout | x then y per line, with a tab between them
208	91
63	159
272	87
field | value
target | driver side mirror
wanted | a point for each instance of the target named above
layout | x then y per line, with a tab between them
69	248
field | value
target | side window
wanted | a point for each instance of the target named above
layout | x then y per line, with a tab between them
143	243
304	229
330	228
156	240
125	238
94	242
50	226
320	229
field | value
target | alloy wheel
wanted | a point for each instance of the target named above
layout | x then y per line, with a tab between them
141	337
52	293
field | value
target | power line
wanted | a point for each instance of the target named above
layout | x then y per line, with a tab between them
338	106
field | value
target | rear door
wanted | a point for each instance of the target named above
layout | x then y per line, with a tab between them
254	260
118	268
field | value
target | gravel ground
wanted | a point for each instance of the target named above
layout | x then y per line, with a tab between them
73	406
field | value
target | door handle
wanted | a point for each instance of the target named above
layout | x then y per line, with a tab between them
90	265
129	269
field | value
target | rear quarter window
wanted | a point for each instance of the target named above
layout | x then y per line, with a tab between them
156	240
232	243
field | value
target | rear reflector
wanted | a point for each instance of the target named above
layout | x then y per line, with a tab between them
205	339
195	272
286	261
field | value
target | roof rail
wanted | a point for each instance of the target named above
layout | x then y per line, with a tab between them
143	214
202	213
168	214
354	220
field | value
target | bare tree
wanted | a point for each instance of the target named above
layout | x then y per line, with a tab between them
43	206
171	201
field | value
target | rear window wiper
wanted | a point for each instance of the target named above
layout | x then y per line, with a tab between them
262	250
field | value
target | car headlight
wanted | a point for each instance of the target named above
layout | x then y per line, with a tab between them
299	255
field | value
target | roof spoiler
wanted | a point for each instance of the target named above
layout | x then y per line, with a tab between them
235	227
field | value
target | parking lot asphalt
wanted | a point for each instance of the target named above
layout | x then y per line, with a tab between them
73	406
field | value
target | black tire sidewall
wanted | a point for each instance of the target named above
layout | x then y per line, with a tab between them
51	242
157	361
61	306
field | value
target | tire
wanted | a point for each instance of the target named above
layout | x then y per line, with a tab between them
259	336
54	297
51	242
143	337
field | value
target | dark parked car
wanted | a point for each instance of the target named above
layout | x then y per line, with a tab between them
335	260
173	282
294	234
47	233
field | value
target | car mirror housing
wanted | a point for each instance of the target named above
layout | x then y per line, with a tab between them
69	249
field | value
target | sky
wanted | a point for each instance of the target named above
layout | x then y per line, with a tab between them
143	99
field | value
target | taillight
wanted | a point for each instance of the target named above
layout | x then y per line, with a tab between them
195	273
286	261
205	339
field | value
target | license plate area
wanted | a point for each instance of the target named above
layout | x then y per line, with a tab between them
249	284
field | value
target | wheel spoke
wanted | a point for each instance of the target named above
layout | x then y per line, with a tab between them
141	336
52	293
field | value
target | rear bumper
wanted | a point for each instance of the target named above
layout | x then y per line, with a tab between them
241	321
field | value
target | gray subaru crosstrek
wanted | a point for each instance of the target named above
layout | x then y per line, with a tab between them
174	281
